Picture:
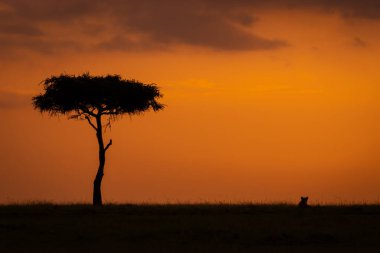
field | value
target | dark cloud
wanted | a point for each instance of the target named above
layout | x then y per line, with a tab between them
152	24
155	24
369	9
20	29
17	46
183	25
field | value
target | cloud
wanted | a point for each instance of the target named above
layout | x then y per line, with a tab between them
193	23
156	24
368	9
20	29
129	25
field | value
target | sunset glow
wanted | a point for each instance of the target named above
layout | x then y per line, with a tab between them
265	101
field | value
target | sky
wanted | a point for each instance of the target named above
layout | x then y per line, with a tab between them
266	101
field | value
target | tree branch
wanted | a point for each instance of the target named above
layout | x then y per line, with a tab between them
91	124
88	111
108	145
108	124
111	112
75	116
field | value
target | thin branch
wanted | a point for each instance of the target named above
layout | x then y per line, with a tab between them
92	111
108	125
75	116
88	111
91	124
108	145
111	112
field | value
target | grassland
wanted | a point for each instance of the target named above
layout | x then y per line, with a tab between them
189	228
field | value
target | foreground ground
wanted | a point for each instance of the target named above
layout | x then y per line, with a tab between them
189	228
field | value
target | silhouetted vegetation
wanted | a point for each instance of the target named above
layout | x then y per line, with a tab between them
189	228
92	98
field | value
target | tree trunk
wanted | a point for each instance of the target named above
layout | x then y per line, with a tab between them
97	194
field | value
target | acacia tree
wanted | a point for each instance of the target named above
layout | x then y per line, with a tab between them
97	100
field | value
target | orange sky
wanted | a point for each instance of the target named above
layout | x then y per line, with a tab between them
292	110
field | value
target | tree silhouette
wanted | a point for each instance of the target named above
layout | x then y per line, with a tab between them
93	98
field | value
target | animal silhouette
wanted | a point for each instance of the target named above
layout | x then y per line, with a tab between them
303	202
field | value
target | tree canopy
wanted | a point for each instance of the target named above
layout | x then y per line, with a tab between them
91	97
87	95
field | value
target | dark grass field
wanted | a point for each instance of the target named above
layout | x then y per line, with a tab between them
189	228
